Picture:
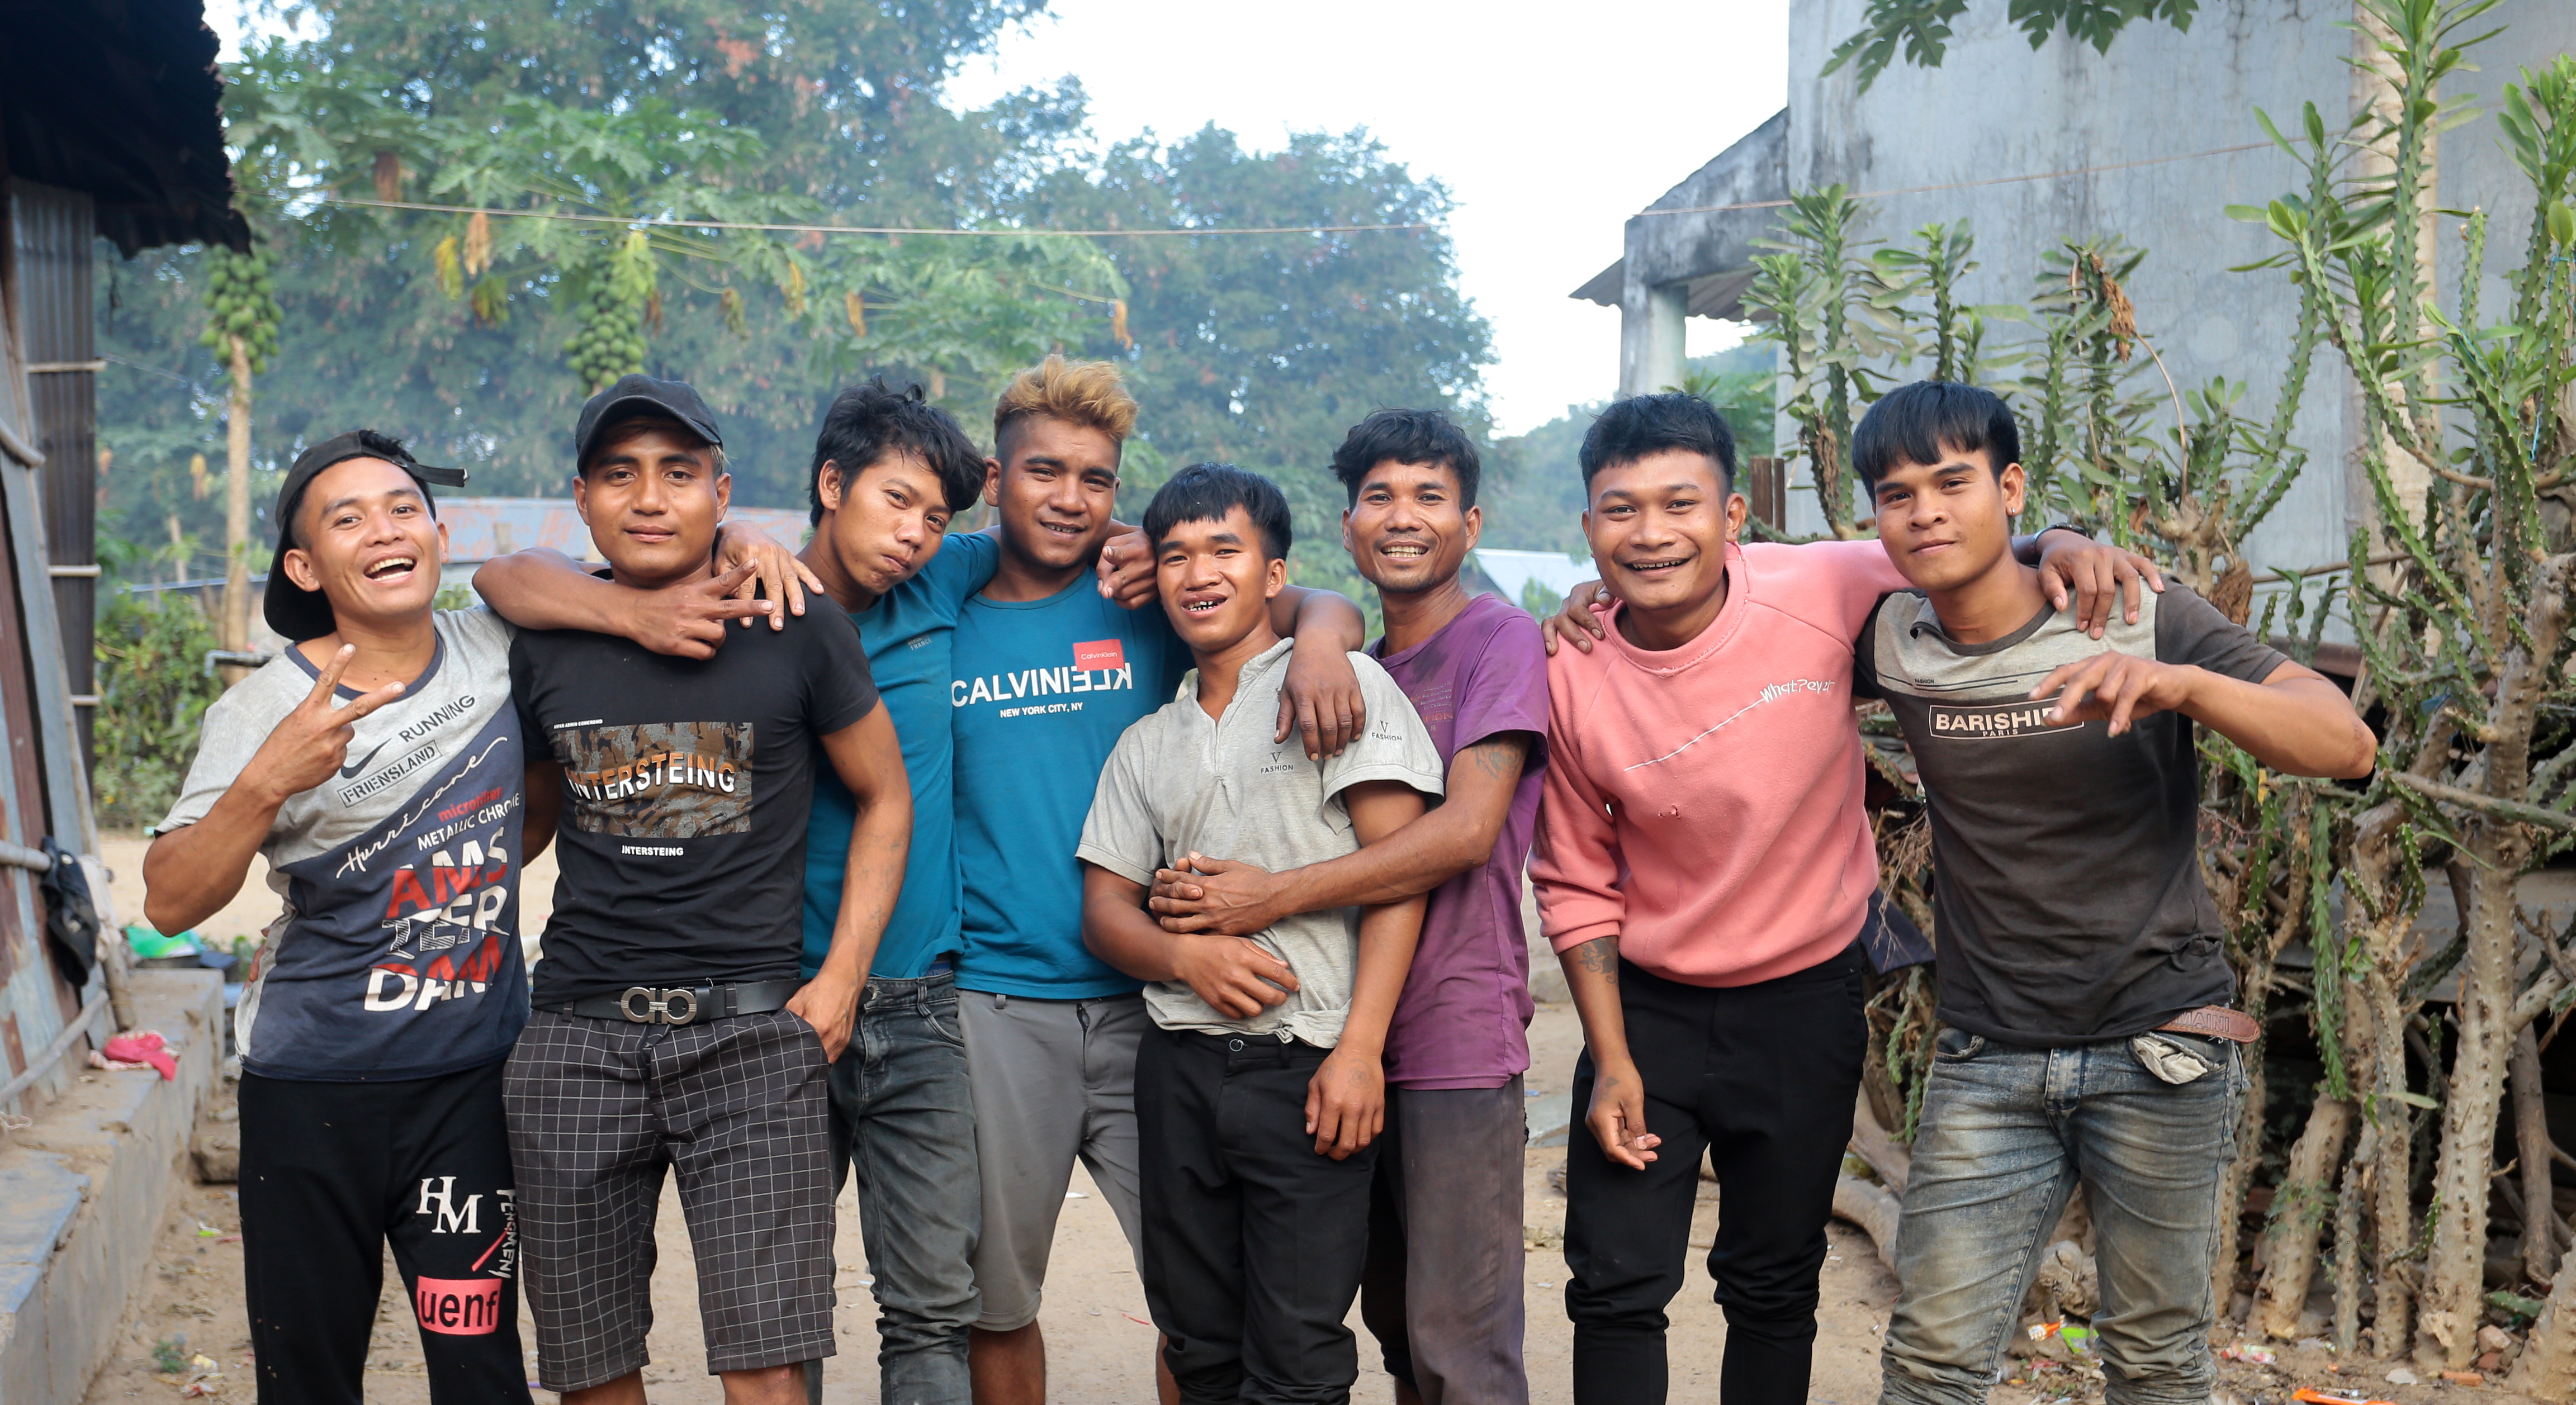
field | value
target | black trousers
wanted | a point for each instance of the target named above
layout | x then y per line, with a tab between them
332	1171
1253	1242
1760	1079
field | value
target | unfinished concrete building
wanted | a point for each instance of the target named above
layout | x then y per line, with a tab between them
2150	142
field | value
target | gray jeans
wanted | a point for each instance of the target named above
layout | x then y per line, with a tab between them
904	1120
2007	1133
1442	1291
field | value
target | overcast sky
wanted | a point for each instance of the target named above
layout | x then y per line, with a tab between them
1550	126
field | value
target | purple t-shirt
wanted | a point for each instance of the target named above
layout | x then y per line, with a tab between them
1463	1020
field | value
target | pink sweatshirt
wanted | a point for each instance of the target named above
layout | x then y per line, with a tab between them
1703	804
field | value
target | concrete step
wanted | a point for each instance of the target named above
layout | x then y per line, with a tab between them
84	1189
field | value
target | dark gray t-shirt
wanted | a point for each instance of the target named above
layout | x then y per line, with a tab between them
397	952
2068	887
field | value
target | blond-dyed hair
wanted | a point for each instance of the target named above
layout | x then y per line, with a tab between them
1091	394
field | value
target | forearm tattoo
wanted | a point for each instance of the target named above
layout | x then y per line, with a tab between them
1599	957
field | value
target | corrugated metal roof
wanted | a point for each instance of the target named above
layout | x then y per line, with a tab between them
120	98
1511	570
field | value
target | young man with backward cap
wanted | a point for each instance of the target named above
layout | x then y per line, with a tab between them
2086	1000
672	1030
375	763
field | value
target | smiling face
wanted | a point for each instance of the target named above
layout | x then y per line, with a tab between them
1659	527
653	498
364	537
1216	582
885	524
1406	531
1057	486
1948	523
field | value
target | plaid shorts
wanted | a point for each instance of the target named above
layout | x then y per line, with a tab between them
738	1106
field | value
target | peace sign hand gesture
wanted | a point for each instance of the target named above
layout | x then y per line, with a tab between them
311	743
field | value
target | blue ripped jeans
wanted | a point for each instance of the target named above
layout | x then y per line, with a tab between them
2007	1133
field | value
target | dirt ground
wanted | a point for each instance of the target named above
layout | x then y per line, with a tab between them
1098	1338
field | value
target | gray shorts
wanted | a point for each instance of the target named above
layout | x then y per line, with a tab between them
1054	1080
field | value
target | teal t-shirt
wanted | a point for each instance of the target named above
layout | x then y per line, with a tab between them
1043	689
908	635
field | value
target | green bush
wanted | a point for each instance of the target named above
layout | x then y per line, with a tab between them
152	693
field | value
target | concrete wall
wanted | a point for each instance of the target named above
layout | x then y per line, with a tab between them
1996	108
84	1190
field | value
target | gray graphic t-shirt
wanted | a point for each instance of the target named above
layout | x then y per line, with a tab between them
2070	899
397	954
1180	781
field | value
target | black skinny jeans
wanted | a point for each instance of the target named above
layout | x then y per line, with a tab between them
1759	1078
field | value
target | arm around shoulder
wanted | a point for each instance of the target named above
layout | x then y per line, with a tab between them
544	589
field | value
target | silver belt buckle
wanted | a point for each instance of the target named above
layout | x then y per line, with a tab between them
660	1007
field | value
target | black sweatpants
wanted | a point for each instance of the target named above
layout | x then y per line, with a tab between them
1760	1079
1253	1242
329	1173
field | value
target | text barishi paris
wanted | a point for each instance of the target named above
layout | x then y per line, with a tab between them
2017	718
1098	666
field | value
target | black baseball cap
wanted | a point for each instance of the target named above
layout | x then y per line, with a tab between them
640	395
294	612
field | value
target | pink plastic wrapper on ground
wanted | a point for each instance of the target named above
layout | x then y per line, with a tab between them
142	1046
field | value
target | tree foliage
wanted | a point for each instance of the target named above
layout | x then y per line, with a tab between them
153	690
1920	29
1262	350
477	336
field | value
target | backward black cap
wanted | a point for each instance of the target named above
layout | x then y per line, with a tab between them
298	614
640	394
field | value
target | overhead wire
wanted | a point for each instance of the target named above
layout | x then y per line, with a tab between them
667	223
663	222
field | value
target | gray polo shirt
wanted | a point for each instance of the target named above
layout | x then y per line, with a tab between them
1181	781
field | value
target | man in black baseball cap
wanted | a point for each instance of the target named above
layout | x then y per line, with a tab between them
643	396
672	1027
298	612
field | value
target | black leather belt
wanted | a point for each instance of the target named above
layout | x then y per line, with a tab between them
682	1005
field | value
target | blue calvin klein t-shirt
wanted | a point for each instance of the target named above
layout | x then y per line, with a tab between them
907	633
1042	692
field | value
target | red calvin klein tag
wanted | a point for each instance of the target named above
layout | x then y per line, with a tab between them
1099	653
